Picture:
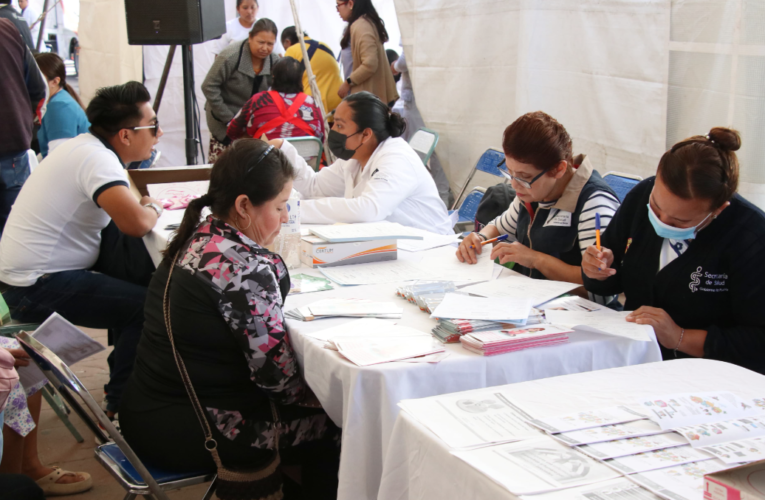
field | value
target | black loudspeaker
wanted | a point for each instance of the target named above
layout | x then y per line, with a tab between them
174	22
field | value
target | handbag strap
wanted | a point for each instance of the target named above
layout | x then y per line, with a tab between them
210	444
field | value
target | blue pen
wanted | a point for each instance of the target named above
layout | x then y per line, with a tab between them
493	240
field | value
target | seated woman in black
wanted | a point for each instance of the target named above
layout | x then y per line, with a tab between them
689	255
226	297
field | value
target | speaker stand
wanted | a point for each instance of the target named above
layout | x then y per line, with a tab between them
187	56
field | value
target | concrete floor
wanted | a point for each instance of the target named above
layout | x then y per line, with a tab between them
57	446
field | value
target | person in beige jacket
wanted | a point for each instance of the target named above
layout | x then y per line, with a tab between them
365	35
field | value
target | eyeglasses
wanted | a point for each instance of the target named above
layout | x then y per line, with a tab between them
155	127
339	4
502	167
260	159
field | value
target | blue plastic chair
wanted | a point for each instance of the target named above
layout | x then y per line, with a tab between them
487	163
469	208
117	457
621	183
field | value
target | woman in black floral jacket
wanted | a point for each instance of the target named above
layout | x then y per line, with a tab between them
226	298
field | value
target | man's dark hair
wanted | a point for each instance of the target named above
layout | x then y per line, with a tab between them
117	107
290	33
288	76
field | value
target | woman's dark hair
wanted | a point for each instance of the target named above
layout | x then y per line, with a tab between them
239	3
117	107
263	24
369	112
240	169
703	167
52	66
290	33
364	8
287	76
537	139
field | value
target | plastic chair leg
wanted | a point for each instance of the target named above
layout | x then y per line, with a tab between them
55	402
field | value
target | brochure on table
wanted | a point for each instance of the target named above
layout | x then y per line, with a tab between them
518	286
459	306
610	323
616	489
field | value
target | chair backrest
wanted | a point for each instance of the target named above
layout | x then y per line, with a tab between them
469	207
621	183
309	148
66	382
5	312
488	162
424	142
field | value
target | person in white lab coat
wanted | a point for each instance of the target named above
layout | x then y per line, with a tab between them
377	176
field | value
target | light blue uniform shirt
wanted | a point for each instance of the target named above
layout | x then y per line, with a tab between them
63	119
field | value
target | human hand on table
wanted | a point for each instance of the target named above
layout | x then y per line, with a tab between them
515	252
597	264
667	331
467	254
21	357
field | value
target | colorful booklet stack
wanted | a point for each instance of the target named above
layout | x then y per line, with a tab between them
489	343
449	331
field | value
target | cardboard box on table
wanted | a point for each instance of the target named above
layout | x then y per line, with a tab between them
746	482
315	251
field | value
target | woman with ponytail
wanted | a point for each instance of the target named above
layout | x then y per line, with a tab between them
689	255
65	117
376	177
224	305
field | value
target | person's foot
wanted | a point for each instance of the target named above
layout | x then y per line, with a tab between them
56	481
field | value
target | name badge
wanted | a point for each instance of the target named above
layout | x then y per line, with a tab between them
558	218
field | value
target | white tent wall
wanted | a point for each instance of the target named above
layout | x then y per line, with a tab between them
105	56
318	18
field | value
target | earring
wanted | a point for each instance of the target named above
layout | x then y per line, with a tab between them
249	223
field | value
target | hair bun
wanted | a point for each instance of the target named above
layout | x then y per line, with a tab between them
726	138
395	125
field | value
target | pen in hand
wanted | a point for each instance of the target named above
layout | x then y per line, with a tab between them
597	232
493	240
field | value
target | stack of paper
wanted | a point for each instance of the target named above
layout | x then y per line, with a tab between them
520	287
340	233
348	308
610	323
449	331
376	350
459	306
501	341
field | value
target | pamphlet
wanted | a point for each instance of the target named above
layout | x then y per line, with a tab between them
735	452
587	419
459	306
657	459
610	432
617	489
682	482
681	410
720	432
630	446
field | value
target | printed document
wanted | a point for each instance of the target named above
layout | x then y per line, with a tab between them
372	351
521	287
617	489
610	432
458	306
429	240
169	190
683	482
442	264
612	323
376	273
682	410
630	446
536	466
366	327
657	459
735	452
587	419
720	432
472	419
366	231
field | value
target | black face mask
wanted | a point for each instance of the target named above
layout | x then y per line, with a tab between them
336	142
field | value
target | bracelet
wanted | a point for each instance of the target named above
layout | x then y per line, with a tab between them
483	236
682	332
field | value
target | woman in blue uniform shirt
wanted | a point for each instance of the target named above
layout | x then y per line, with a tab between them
689	255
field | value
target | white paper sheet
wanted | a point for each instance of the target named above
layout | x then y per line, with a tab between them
428	358
442	264
365	231
681	410
63	338
574	303
353	308
177	189
720	432
735	452
610	432
376	273
366	327
536	466
521	287
613	323
430	240
631	446
658	459
458	306
617	489
684	482
587	419
461	421
372	351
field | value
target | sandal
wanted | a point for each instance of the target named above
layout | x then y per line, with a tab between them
51	488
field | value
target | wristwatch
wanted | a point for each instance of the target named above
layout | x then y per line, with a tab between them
155	207
348	81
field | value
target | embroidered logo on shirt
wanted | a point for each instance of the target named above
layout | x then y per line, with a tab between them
694	285
558	218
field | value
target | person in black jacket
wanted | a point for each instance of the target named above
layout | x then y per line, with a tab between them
8	12
689	255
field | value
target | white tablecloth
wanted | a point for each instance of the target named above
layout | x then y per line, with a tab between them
418	464
362	400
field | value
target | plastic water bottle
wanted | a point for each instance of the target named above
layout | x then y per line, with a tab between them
287	244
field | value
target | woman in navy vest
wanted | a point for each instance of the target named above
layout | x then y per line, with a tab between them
689	255
551	222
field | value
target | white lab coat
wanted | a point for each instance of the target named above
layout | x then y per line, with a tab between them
394	186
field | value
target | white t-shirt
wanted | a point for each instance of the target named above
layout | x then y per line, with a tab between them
55	224
234	32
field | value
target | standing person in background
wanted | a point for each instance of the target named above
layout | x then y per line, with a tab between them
238	28
65	115
30	15
365	35
414	122
8	12
239	72
323	64
22	94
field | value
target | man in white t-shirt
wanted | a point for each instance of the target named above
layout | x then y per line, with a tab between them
30	15
72	243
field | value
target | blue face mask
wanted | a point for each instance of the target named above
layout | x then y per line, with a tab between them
673	233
